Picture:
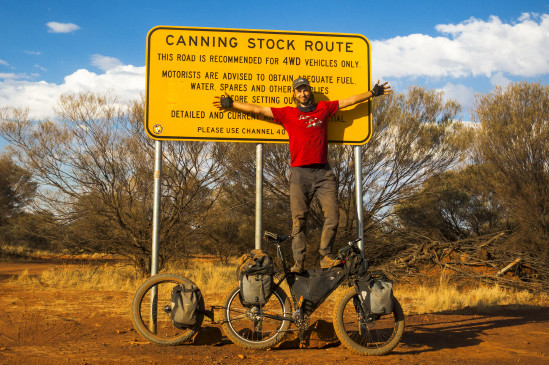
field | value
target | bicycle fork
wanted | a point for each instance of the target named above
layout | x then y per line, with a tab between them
360	313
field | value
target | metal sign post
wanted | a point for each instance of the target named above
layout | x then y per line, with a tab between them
259	196
359	199
156	229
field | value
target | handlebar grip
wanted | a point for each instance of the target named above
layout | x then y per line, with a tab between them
271	235
275	237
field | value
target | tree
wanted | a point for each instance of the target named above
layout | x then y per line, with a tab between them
16	188
416	136
237	203
94	167
450	207
512	147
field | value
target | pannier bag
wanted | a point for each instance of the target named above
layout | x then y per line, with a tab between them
185	306
376	295
255	275
315	285
255	262
255	289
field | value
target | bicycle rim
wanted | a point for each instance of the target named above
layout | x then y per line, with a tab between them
248	328
149	317
375	337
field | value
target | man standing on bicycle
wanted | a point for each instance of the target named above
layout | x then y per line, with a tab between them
310	173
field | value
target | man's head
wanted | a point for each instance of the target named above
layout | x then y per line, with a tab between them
303	94
299	82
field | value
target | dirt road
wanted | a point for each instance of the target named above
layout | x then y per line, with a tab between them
50	326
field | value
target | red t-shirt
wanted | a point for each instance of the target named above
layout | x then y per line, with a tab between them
307	132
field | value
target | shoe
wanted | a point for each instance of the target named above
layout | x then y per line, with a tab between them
298	267
329	261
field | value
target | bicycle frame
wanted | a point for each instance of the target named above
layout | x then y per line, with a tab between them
302	311
297	303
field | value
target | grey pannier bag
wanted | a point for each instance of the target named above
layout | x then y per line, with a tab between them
185	306
255	275
376	295
255	289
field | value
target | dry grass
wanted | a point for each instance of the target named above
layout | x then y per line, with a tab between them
445	295
214	278
88	277
21	252
208	276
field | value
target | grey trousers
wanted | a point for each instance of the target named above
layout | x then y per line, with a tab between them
305	183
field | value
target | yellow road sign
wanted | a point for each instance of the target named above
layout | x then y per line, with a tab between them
188	67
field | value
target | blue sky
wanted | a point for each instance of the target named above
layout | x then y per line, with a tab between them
463	48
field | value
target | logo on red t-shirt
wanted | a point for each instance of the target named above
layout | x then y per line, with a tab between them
310	121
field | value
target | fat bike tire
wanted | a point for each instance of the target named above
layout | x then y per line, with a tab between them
376	337
247	328
149	317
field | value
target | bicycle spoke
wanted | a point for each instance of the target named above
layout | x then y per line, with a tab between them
256	327
237	318
375	335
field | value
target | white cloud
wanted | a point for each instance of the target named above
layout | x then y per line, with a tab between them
14	76
499	80
33	53
105	63
127	82
55	27
465	95
41	68
4	63
471	48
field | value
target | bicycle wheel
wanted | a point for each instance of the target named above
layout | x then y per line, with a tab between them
254	328
149	317
374	336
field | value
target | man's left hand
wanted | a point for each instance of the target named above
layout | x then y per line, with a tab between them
382	89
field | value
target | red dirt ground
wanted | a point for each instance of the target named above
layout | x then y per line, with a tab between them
51	326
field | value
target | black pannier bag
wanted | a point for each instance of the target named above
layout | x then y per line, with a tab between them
185	306
255	275
315	285
376	295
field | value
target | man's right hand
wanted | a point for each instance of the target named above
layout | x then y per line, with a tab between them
223	101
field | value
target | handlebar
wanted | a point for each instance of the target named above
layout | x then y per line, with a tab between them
273	237
277	239
350	246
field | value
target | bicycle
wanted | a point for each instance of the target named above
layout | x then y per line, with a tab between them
258	327
264	326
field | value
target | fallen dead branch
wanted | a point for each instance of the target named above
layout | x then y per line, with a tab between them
508	267
482	259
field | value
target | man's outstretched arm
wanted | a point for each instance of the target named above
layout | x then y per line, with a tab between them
378	90
223	102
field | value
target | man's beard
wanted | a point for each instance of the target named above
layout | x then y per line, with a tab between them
309	106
